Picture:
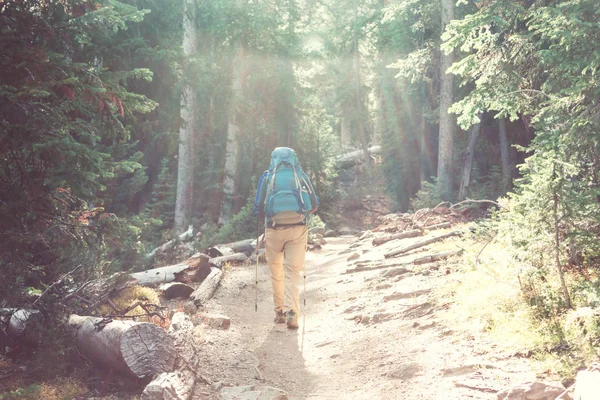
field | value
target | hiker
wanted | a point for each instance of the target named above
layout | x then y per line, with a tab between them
286	199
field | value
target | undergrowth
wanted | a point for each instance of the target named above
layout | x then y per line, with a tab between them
496	295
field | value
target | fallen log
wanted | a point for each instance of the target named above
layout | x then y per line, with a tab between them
245	246
436	257
363	268
443	225
194	269
208	287
138	349
219	251
421	244
159	275
355	157
402	235
237	258
22	325
417	261
199	269
176	290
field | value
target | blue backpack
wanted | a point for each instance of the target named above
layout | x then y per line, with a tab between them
287	199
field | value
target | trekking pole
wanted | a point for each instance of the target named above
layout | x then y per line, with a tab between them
256	269
304	294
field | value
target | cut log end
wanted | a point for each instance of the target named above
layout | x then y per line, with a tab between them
147	350
137	349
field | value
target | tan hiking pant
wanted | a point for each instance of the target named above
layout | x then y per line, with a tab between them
285	249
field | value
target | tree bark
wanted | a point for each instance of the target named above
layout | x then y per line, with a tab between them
468	166
421	244
446	133
207	288
187	131
138	349
504	155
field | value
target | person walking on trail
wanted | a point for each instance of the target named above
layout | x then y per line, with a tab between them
286	199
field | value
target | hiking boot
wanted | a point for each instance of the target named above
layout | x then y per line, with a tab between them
279	317
291	319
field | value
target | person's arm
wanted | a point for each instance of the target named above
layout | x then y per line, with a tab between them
261	192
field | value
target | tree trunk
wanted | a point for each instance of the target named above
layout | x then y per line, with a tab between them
446	134
468	166
187	131
424	150
138	349
363	120
559	268
344	132
233	129
504	155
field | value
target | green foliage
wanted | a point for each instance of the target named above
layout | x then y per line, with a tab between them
241	226
427	197
160	210
29	392
63	136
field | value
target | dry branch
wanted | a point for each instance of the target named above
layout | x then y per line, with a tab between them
421	244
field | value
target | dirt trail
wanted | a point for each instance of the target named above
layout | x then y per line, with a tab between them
362	335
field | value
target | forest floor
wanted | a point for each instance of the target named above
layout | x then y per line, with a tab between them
377	334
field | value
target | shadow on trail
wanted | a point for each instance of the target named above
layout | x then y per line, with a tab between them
282	364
